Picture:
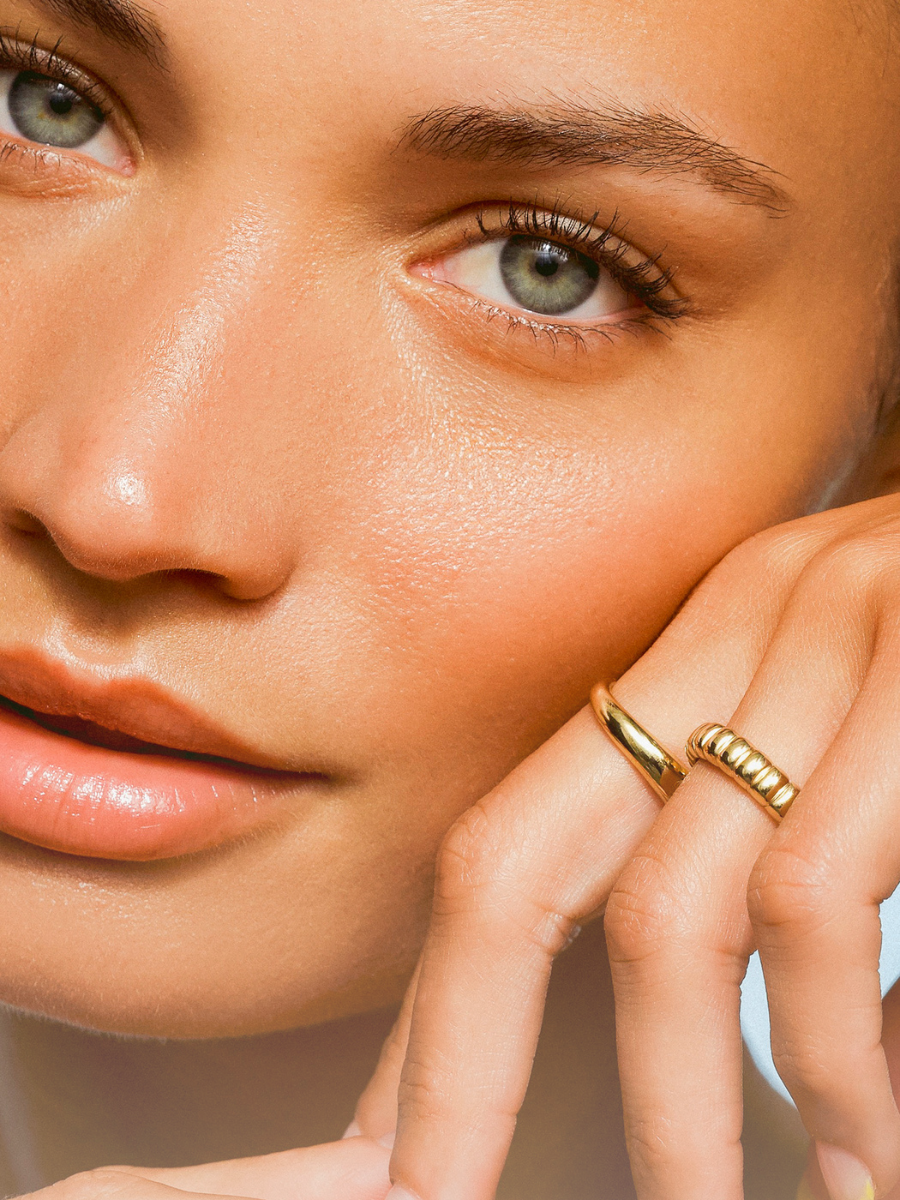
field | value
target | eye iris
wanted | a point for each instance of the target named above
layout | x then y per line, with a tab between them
50	112
545	277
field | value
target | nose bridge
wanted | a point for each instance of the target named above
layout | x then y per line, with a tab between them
189	345
149	470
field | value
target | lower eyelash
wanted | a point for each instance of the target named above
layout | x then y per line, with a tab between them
36	153
45	156
576	335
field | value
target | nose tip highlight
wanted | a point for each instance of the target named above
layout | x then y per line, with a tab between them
127	489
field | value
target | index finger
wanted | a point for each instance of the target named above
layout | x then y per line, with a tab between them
536	857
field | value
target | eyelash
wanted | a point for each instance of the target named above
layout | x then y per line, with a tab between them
643	279
33	57
16	55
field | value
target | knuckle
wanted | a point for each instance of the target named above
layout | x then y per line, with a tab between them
482	870
471	852
651	1155
804	1069
770	559
643	913
424	1093
418	1097
854	562
789	894
662	1148
91	1185
769	554
426	1096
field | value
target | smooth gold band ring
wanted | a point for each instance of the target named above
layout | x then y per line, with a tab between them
714	744
722	747
663	772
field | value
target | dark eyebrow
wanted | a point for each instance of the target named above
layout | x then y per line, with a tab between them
572	135
120	21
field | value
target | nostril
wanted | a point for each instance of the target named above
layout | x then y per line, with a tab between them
201	580
24	522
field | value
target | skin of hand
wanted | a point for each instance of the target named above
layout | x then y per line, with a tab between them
352	1170
793	640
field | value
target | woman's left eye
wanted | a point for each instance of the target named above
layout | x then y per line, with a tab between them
52	113
538	275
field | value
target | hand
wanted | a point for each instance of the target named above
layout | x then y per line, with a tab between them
794	640
350	1170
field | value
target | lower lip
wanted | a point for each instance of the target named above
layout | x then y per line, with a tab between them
65	795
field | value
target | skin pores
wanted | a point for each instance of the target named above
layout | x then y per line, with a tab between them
260	455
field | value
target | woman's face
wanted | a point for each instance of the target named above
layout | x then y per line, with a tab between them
375	379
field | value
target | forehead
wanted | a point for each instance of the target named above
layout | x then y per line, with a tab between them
772	78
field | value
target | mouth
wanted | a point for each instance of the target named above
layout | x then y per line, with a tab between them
121	769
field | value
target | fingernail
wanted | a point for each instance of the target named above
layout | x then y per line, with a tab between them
399	1193
388	1139
352	1130
845	1176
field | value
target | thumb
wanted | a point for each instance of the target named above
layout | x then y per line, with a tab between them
352	1170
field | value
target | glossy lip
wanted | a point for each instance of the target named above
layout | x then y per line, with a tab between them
109	768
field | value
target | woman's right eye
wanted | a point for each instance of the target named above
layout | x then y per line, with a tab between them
52	113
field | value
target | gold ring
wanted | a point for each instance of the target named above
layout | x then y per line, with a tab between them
655	763
722	747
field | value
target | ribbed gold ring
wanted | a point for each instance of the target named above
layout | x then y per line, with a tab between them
720	746
655	763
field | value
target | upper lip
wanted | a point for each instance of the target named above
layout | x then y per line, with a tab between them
136	707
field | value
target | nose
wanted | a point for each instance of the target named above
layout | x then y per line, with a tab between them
153	462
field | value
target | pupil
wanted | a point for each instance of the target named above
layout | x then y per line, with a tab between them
61	104
546	265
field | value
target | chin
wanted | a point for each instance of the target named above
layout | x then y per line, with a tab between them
194	948
176	1014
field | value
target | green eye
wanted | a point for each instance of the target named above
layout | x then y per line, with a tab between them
534	274
50	112
546	277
